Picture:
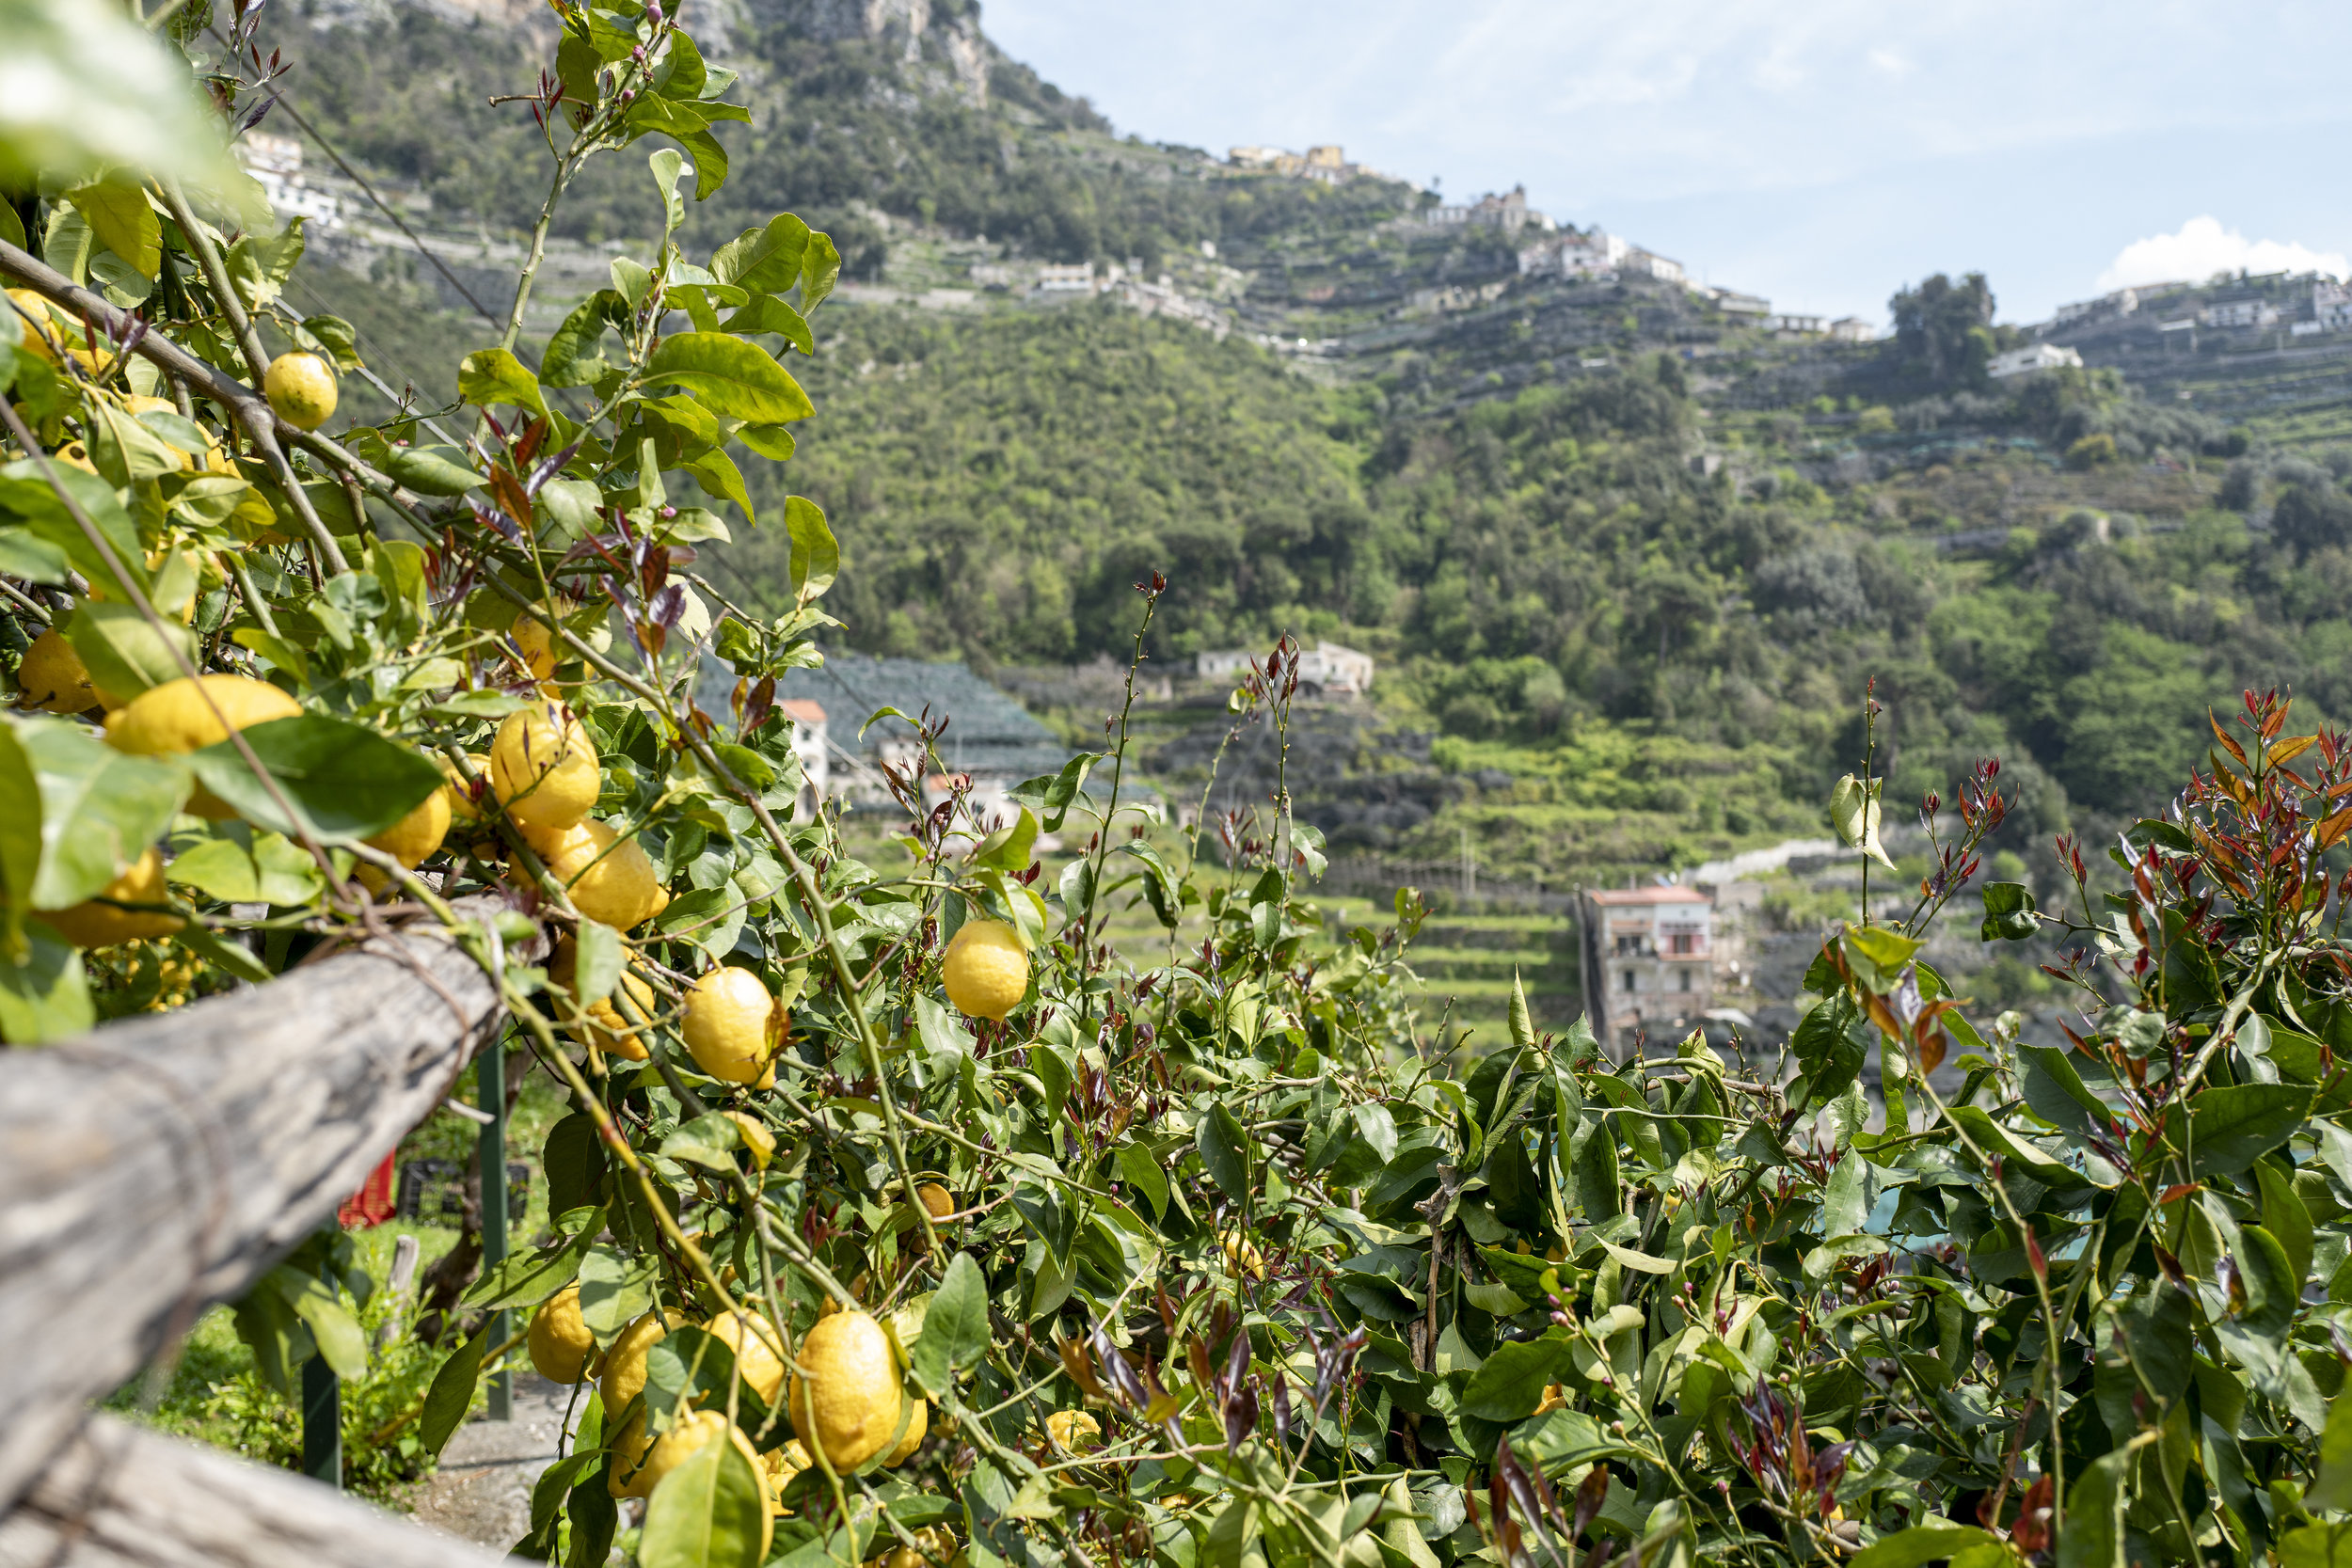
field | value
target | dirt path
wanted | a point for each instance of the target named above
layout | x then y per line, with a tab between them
482	1489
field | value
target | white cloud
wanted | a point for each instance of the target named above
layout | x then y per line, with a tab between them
1892	62
2201	247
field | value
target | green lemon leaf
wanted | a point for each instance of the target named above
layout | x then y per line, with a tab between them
2229	1128
763	260
708	1513
490	376
1224	1150
124	220
432	471
446	1403
528	1279
1509	1384
99	809
341	780
815	556
1921	1545
43	995
239	865
955	1327
124	651
735	379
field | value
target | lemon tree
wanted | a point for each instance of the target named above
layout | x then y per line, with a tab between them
900	1217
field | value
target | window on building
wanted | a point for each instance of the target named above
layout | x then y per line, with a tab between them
1682	943
1684	983
1627	976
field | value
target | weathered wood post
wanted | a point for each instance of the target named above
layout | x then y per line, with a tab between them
163	1164
490	1086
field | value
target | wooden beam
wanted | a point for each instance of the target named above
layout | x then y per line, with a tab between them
160	1165
117	1496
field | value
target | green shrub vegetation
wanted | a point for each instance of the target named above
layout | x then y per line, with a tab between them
1202	1252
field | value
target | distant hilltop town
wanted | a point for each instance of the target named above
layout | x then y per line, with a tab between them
1559	251
2300	304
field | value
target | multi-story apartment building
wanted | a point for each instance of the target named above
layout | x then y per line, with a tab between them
1650	963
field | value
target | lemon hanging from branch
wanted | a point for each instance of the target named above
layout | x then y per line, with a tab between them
302	389
986	969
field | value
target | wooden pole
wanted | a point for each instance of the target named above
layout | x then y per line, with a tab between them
490	1094
116	1496
156	1166
321	1422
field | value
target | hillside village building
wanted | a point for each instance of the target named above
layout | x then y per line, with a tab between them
2255	311
1328	163
1650	964
2331	306
1326	670
1509	212
1649	264
2032	358
1591	254
276	164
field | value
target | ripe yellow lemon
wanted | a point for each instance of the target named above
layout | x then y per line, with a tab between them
561	1345
542	768
758	1359
919	1423
301	388
535	641
180	716
844	1405
413	839
1242	1255
93	924
693	1432
731	1025
609	878
629	1447
464	812
1075	1429
937	1200
53	677
986	969
33	308
624	1362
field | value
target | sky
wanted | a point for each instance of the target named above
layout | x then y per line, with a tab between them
1820	152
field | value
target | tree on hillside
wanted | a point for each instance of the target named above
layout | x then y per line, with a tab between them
1944	330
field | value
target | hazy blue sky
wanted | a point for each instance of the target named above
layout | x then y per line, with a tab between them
1819	153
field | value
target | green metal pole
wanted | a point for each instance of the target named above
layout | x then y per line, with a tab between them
321	1422
490	1082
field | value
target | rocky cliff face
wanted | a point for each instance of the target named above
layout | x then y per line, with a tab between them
945	36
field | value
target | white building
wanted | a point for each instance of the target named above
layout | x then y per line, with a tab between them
2331	306
1648	963
1508	212
2033	357
2122	302
1590	254
1852	330
2240	312
1649	264
276	164
1078	277
1798	324
1326	670
809	747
